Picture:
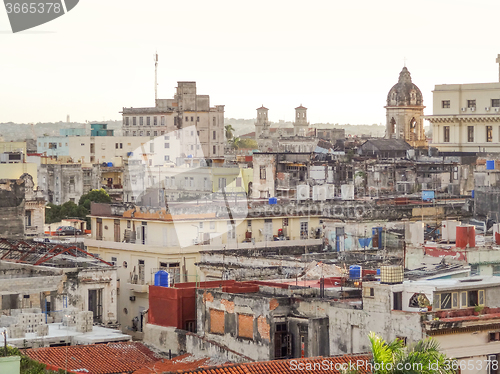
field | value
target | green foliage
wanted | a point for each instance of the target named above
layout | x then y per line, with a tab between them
229	131
96	196
247	143
422	357
28	366
56	213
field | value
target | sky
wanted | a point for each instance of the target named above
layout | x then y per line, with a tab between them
337	58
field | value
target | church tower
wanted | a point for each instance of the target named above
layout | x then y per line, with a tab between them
262	124
405	111
300	126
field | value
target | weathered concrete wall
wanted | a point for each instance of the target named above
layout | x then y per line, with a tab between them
180	341
12	208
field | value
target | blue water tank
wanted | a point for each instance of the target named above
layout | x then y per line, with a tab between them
472	194
273	200
490	164
110	164
378	271
354	272
161	278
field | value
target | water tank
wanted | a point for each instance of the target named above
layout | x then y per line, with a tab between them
466	236
490	164
161	278
355	272
273	200
378	271
110	164
472	195
391	274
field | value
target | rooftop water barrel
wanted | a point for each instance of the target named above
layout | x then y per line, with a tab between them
161	278
490	164
110	164
355	272
378	271
472	194
273	200
391	274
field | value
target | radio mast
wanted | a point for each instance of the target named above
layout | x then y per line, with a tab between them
156	77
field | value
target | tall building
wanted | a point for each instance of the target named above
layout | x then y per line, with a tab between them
301	126
466	117
262	125
405	111
187	108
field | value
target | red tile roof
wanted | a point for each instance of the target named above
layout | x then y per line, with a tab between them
319	365
111	358
180	363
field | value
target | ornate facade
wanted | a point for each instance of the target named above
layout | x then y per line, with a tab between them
405	111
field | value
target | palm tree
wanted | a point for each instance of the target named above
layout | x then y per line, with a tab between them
422	357
235	142
229	131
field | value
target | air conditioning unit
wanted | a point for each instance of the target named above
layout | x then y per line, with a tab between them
472	109
487	108
464	109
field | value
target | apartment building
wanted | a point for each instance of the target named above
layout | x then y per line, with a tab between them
186	109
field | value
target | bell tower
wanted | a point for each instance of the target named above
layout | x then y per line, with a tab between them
262	124
300	126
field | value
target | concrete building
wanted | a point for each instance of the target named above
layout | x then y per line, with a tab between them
405	111
34	208
55	277
466	117
12	212
186	109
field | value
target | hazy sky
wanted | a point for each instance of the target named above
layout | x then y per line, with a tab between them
337	58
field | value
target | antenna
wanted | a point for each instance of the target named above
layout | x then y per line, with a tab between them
156	77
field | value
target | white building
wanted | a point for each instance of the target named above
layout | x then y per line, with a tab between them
466	117
185	109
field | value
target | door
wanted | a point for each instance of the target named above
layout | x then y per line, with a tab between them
268	229
339	239
95	304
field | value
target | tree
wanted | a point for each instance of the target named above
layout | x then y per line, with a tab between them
96	196
229	132
247	143
422	357
235	142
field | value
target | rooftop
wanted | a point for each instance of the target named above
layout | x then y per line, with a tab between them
112	358
179	363
309	365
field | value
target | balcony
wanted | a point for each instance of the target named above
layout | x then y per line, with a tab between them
139	288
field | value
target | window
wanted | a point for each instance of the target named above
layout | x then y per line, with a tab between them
134	133
489	134
155	133
262	172
148	121
126	121
471	103
216	321
222	183
167	145
212	225
167	158
495	103
496	269
474	270
148	133
163	120
141	121
134	121
155	121
187	118
285	222
214	149
470	134
121	145
397	300
446	137
245	326
197	119
192	119
214	135
141	133
463	299
116	145
445	103
249	223
494	336
231	230
304	229
166	137
446	300
214	121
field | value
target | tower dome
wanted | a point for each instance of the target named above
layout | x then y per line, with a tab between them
404	93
